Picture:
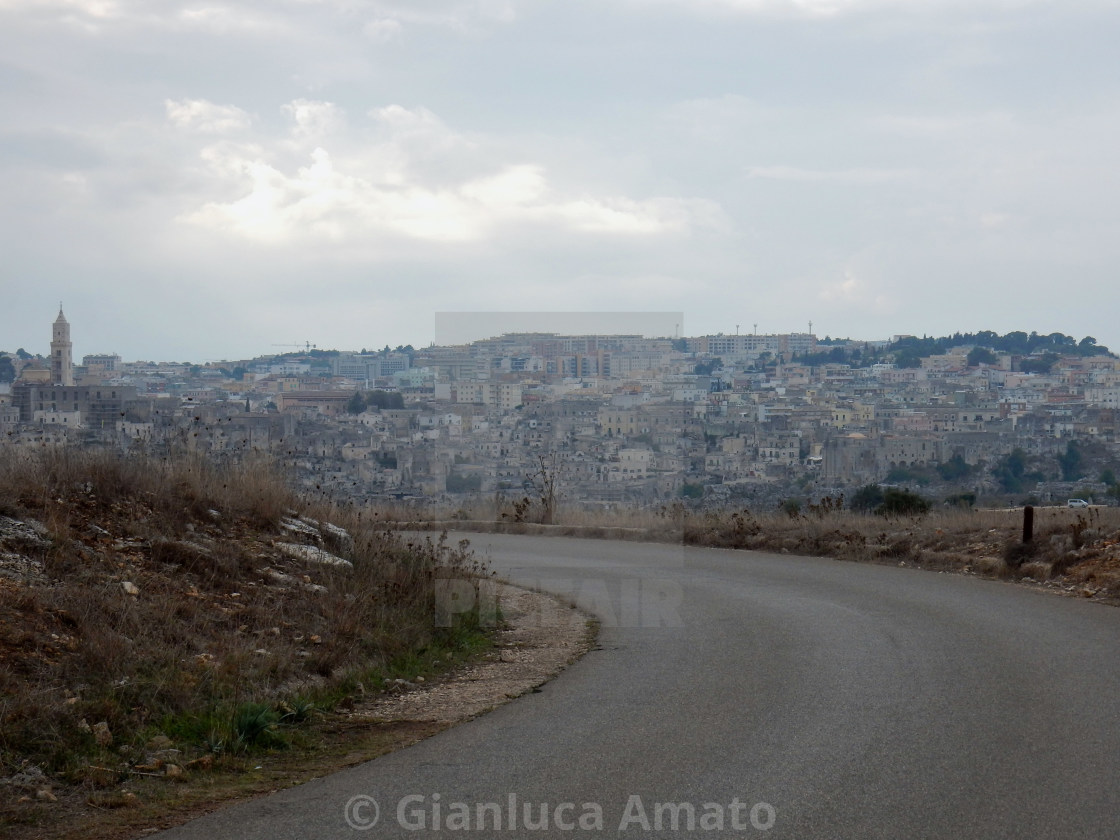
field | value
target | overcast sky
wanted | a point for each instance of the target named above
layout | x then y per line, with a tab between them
202	180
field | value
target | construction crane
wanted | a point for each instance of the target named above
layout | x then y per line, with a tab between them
307	346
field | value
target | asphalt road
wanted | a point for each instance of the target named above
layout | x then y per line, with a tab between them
775	696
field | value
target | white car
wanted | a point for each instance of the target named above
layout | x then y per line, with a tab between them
1077	503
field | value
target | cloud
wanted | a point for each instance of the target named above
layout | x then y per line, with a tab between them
90	8
314	121
462	15
385	19
947	125
516	187
853	292
808	8
651	288
817	9
416	126
721	119
206	117
848	288
369	191
993	220
224	19
842	176
382	30
628	216
932	148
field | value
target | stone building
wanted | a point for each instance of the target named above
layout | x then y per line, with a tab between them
63	403
62	352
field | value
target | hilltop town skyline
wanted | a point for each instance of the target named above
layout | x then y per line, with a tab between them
456	327
613	418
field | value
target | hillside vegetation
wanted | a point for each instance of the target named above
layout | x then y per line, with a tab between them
908	351
160	617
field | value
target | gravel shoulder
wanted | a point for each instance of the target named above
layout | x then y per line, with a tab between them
539	636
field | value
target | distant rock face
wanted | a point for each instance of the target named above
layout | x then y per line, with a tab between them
304	529
21	568
338	536
317	532
16	533
20	542
313	554
314	534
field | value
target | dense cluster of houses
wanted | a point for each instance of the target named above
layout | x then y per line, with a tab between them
615	419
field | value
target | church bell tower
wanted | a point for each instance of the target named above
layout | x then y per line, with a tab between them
62	358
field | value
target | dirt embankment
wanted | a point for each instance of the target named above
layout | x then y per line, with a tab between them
538	637
173	634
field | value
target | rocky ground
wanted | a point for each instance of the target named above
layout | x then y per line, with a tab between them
173	635
539	637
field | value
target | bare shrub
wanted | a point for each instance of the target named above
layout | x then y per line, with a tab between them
990	566
1076	544
1036	570
1016	553
170	610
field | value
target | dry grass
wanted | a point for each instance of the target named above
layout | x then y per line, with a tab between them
164	609
1078	550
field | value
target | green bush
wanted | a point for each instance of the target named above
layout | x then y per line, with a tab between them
954	469
916	475
902	503
254	725
867	498
962	500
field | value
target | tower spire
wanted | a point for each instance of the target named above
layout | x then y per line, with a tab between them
62	355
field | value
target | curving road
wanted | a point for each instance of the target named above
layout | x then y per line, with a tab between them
775	696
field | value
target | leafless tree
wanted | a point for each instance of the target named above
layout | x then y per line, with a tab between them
545	481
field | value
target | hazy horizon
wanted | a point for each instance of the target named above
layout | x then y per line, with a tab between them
460	328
